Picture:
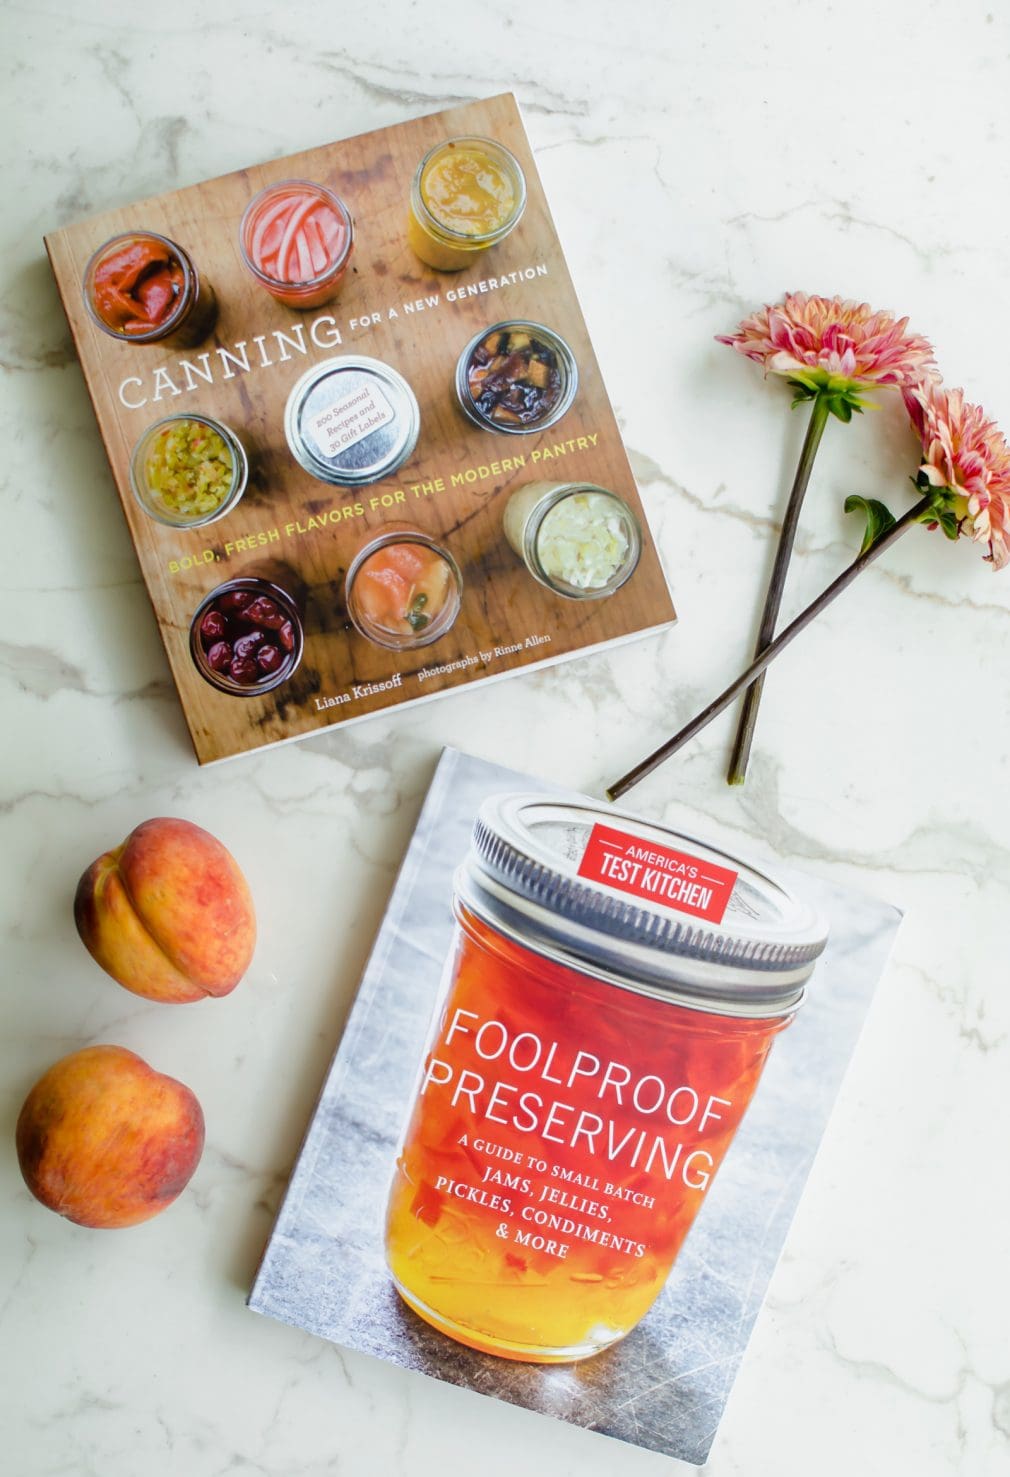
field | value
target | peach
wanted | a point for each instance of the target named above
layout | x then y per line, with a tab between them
168	914
105	1140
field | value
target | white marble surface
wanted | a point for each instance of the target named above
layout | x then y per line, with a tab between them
722	153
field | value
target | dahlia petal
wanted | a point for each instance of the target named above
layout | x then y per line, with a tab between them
965	453
836	335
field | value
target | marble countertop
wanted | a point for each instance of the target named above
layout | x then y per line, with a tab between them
699	161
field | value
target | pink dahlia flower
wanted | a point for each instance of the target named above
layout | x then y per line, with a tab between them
833	346
966	455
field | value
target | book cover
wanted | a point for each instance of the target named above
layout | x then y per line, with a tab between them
405	462
560	1146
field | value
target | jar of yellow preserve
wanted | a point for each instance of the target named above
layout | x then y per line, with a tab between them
607	1008
467	194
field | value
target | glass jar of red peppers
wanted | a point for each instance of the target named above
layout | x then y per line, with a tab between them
610	1000
246	637
296	239
145	289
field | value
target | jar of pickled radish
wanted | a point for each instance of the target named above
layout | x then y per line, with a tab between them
296	239
610	1000
467	195
577	539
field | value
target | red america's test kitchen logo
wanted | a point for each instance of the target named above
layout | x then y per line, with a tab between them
645	869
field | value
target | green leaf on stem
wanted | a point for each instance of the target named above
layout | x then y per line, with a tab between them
802	392
878	518
947	507
840	396
948	521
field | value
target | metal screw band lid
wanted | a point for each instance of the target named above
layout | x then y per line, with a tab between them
352	420
523	877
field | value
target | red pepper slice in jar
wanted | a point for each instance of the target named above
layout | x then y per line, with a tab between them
136	288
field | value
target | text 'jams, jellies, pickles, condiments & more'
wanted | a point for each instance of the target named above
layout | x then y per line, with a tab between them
351	420
467	195
188	470
403	589
577	539
246	637
144	288
516	377
611	997
296	239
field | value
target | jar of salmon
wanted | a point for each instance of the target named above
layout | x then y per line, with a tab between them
403	589
610	1000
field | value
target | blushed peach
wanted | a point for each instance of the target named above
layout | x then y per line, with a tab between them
168	913
105	1140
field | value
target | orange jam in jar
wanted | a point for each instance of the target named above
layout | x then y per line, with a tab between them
467	194
612	995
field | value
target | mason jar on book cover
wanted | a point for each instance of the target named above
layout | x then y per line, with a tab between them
611	996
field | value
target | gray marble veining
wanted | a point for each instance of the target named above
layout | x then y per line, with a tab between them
699	161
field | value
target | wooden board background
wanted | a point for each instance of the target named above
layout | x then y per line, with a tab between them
502	604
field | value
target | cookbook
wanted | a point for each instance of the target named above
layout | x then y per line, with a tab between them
560	1146
357	427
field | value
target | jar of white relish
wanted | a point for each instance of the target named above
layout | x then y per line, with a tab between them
579	540
611	997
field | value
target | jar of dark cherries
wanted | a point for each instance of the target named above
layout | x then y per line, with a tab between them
246	637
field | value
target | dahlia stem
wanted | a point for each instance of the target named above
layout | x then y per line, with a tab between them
772	650
773	599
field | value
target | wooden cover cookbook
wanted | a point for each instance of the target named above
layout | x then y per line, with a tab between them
303	533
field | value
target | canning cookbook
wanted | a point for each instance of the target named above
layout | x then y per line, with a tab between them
560	1146
358	429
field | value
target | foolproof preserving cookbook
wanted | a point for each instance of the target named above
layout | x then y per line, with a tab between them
559	1148
358	429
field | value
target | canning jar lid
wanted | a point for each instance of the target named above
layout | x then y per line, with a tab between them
537	873
351	420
